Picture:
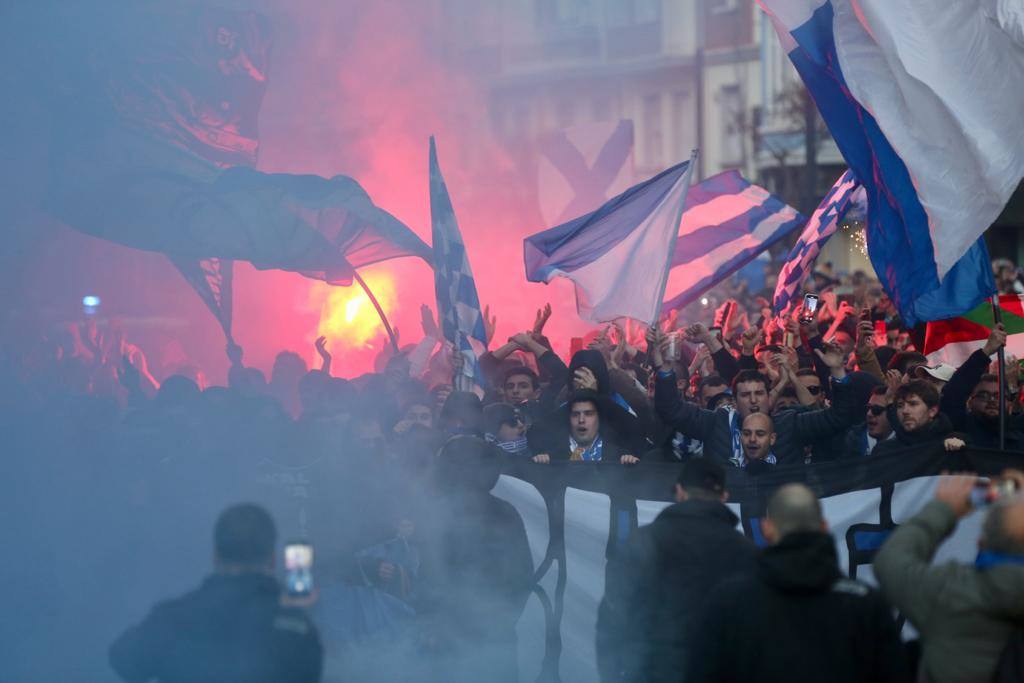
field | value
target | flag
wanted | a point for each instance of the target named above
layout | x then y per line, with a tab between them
727	222
897	83
160	157
458	306
952	341
581	167
618	254
213	280
822	225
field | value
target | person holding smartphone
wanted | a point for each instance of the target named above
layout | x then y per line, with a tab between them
234	627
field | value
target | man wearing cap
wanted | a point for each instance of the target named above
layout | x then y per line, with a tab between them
938	375
656	586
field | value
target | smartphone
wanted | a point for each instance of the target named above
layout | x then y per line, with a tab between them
881	333
810	307
717	331
987	491
298	568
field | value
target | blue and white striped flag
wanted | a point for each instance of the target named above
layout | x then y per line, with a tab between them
726	223
458	305
823	224
898	84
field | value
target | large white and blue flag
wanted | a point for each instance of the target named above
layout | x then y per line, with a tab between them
923	100
728	221
618	254
458	306
822	225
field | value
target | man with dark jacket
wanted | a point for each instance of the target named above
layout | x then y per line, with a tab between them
965	613
581	430
656	586
720	429
233	627
915	418
798	618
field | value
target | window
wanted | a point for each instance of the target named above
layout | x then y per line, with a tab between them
722	6
684	134
630	12
730	108
654	139
563	12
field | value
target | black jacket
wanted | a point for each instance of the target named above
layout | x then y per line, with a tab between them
935	432
656	586
231	629
798	619
794	429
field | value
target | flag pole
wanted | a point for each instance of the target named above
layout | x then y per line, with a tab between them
997	317
380	311
675	235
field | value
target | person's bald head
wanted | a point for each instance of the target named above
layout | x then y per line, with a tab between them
792	509
1003	530
757	436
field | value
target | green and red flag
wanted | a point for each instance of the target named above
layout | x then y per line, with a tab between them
953	340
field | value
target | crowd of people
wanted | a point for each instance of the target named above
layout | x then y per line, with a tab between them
390	472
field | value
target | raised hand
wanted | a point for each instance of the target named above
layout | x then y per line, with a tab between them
490	324
996	339
584	378
831	355
428	323
543	314
698	332
654	338
629	459
865	334
129	376
893	380
955	491
750	339
325	355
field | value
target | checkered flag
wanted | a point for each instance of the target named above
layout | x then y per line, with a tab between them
819	228
458	305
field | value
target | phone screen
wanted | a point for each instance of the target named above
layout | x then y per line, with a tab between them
298	568
810	306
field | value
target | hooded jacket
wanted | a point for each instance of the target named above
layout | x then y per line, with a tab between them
656	587
798	619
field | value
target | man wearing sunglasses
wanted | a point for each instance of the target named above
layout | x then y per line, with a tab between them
876	429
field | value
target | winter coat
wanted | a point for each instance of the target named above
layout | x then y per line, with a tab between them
964	614
656	587
798	619
232	628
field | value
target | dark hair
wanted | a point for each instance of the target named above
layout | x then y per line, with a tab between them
245	534
902	359
750	376
988	377
497	414
585	396
702	477
879	391
924	390
710	381
884	355
807	372
520	370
